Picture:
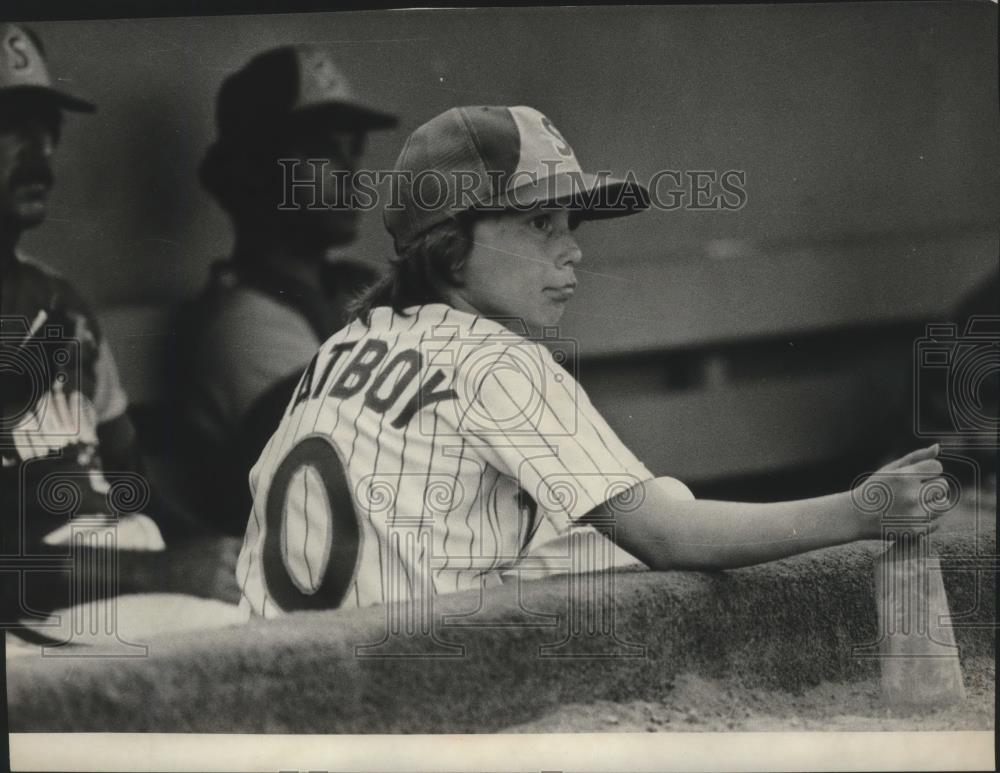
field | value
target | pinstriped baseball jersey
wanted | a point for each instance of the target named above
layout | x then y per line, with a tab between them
421	454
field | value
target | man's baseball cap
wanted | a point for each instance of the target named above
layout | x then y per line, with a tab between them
23	70
490	158
287	82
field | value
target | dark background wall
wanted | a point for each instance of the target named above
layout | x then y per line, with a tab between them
851	121
868	134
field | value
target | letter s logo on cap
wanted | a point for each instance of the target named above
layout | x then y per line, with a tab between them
326	75
18	57
562	148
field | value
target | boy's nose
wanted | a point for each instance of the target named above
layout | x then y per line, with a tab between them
571	253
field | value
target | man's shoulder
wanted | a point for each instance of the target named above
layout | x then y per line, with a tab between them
36	273
245	338
240	310
36	286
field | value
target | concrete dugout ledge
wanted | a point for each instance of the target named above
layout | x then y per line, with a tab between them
784	625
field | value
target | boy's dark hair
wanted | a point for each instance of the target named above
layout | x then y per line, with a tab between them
417	275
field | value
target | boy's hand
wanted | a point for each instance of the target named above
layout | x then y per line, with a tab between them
907	492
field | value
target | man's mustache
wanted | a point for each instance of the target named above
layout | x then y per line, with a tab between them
32	174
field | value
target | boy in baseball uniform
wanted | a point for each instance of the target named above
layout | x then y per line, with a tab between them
436	443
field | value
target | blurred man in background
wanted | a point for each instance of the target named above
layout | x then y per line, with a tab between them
290	134
64	409
65	436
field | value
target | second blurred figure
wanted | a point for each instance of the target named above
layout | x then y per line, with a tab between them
290	132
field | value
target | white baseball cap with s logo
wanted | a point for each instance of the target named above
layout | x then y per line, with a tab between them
23	69
488	158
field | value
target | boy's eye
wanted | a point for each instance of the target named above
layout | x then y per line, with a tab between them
542	222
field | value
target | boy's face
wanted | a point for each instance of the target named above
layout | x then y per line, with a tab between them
522	265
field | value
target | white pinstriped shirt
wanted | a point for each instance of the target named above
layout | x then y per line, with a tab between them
422	454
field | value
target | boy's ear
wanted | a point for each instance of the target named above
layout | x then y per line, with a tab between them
456	267
456	272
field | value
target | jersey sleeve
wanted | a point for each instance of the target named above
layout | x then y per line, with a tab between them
110	400
536	424
67	306
252	344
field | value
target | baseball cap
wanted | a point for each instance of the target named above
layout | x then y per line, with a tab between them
490	157
287	82
22	68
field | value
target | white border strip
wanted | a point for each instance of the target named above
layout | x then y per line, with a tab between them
522	752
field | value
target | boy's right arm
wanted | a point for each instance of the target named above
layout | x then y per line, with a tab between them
667	533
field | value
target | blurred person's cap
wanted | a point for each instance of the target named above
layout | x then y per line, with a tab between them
288	82
23	69
488	157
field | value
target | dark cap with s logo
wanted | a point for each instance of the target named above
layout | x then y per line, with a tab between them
287	83
23	69
495	158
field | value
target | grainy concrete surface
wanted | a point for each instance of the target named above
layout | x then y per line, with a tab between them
788	626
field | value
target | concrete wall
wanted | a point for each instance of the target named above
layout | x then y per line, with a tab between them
486	661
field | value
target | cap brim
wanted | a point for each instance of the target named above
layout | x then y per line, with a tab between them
594	197
58	98
68	102
350	115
